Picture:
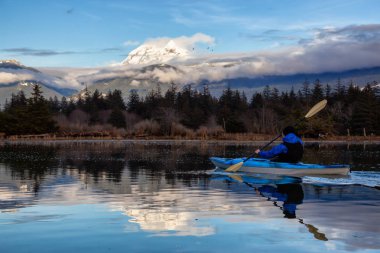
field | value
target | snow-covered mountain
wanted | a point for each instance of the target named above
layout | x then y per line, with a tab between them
154	54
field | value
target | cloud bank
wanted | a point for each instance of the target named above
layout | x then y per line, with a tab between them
13	77
329	50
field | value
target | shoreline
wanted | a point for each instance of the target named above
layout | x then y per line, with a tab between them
190	141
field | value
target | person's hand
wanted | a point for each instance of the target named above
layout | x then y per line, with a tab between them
257	151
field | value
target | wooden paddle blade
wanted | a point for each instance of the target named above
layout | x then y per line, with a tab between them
234	167
316	108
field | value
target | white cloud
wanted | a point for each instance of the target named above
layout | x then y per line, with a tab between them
183	41
130	43
13	77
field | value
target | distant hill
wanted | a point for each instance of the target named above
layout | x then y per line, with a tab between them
284	82
15	77
146	78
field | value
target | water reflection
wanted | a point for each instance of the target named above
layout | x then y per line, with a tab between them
290	194
167	190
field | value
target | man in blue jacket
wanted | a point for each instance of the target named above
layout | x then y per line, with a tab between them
289	151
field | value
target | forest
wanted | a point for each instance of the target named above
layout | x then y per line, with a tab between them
190	113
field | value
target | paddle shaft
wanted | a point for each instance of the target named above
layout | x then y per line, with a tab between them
263	147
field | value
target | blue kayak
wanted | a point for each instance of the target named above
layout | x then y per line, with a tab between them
264	166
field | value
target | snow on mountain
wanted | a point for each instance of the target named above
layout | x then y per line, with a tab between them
150	54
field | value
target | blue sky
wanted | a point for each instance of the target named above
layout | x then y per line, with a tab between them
89	33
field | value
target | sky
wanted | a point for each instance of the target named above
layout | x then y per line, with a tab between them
93	33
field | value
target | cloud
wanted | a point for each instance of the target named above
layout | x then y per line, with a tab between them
110	49
337	49
272	35
49	52
329	50
353	33
183	41
36	52
13	77
129	43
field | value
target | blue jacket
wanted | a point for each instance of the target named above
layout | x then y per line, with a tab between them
281	148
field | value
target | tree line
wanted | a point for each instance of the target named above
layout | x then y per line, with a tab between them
187	112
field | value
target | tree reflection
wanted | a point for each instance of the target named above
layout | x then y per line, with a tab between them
26	162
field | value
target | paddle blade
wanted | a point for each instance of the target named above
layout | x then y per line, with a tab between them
234	167
316	108
236	177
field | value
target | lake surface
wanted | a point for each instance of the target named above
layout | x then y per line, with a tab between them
125	196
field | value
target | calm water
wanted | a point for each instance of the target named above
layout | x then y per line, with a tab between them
163	197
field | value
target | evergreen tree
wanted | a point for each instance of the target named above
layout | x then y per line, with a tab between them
117	118
327	91
257	101
274	95
306	91
230	110
353	93
170	96
37	94
340	90
115	100
267	93
317	92
40	119
54	105
133	102
365	115
28	116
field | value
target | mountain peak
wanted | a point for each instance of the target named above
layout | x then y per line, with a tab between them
153	54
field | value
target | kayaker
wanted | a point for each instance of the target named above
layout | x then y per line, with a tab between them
290	150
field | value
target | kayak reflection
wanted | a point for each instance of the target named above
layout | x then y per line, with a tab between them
290	194
287	190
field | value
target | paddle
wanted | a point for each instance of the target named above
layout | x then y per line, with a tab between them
314	110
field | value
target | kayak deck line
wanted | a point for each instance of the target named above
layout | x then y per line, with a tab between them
264	166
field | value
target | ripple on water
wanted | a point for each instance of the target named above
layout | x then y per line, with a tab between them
365	178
